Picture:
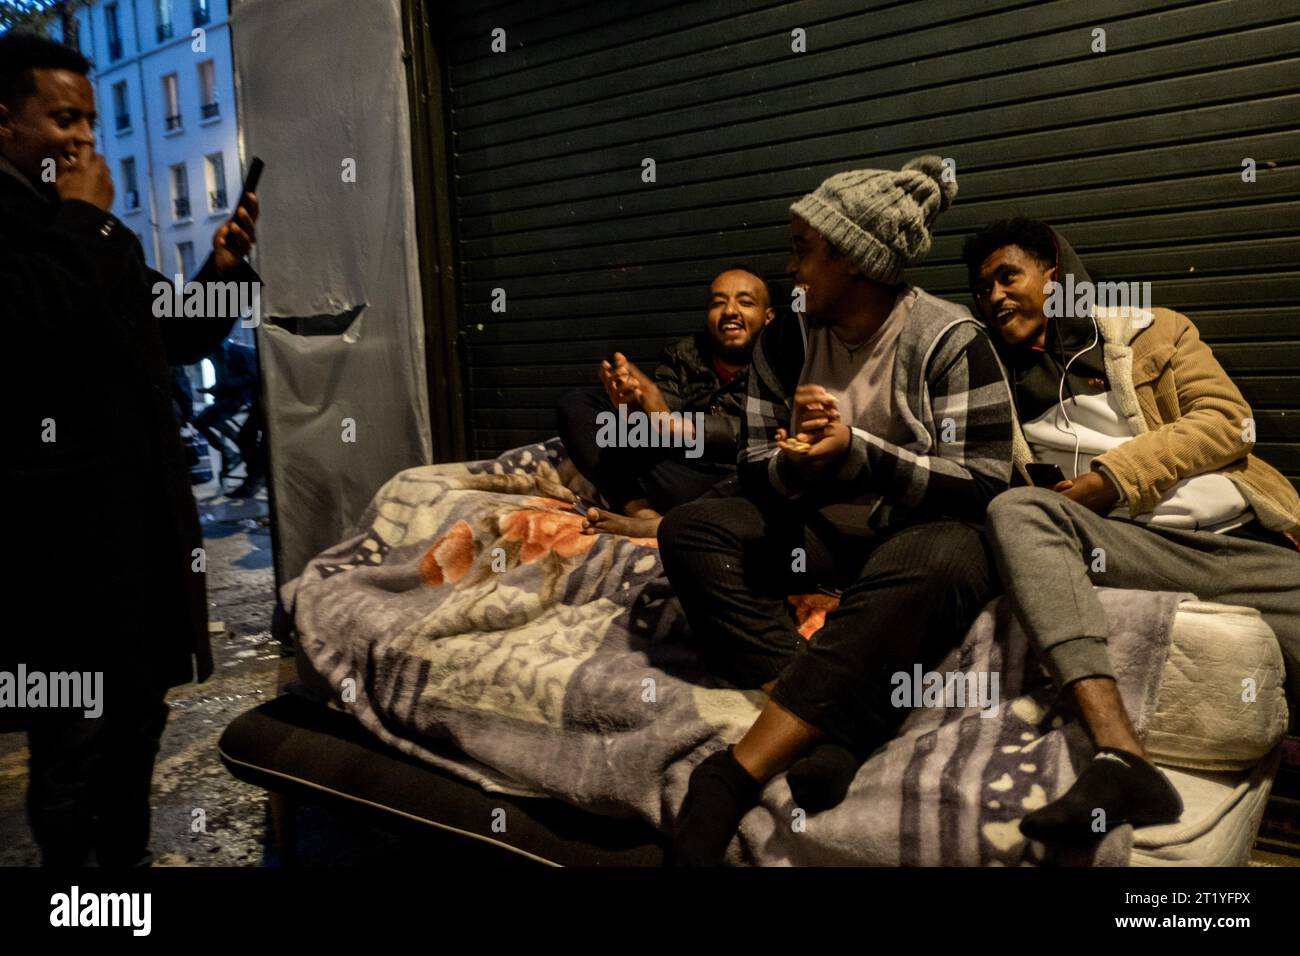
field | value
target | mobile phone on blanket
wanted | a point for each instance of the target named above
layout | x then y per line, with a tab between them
1044	475
583	505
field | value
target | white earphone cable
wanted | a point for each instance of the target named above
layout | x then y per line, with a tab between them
1060	393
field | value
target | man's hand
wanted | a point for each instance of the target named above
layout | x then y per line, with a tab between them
235	238
814	457
1092	489
814	409
86	178
652	400
623	382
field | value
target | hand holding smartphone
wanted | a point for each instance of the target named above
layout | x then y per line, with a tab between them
251	180
1044	475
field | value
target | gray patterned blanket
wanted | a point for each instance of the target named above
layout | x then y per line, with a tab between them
469	608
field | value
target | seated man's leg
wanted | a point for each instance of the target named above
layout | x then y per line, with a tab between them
914	599
612	470
676	479
730	564
1045	546
667	483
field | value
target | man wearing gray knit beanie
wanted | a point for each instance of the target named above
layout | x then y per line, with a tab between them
875	434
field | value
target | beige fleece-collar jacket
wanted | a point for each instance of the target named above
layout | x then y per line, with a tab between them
1187	416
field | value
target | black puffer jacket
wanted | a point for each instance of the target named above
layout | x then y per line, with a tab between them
689	383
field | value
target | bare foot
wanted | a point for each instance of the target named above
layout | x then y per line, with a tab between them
644	525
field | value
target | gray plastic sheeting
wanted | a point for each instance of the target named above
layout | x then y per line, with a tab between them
321	82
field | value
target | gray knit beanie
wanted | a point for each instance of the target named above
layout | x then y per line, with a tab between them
879	218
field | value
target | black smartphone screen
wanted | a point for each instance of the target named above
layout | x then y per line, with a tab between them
1044	475
252	179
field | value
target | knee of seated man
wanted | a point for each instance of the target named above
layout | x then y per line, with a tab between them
929	546
677	526
1008	510
575	408
946	558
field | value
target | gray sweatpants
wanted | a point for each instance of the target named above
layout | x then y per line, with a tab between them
1046	549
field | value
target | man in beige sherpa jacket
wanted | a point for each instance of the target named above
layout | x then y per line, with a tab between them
1157	491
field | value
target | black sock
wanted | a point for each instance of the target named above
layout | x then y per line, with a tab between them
1123	785
720	793
821	780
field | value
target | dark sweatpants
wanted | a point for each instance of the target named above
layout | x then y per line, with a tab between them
663	476
88	792
907	598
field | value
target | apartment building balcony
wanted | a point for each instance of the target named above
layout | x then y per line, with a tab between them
122	121
210	110
115	49
165	32
181	207
174	123
216	199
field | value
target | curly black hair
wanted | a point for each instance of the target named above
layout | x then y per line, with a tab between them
1029	234
22	51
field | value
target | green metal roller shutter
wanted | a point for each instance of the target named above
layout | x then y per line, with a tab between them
1135	154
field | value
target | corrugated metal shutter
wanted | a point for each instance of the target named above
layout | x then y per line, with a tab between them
1135	154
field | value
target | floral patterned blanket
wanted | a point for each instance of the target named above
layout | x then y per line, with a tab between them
469	608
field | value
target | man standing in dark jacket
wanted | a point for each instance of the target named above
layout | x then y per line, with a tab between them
107	567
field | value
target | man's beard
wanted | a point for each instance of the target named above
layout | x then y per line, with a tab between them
735	355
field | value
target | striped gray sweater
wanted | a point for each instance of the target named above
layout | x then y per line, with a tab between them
949	389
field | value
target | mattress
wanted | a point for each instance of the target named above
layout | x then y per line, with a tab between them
541	674
1222	703
1222	811
1220	751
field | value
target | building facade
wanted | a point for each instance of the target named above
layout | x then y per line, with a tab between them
164	86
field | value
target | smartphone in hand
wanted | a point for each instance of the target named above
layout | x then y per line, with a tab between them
1044	475
251	180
